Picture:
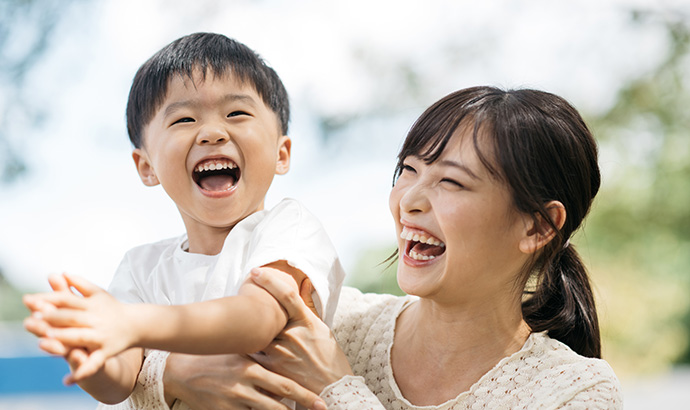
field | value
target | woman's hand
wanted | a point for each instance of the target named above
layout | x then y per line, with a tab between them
231	382
305	351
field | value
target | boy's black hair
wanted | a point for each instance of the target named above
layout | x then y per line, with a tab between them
204	51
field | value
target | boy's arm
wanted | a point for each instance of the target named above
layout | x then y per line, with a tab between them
115	381
245	323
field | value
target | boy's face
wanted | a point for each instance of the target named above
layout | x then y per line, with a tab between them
214	146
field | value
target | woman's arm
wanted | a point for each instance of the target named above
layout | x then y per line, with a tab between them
230	382
307	352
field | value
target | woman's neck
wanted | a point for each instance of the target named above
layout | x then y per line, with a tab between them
441	351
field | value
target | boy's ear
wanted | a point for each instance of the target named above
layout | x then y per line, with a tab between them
539	232
283	158
144	168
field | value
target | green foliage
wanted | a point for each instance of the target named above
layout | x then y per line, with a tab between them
11	306
638	236
375	273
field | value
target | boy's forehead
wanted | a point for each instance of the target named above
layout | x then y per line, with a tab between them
225	86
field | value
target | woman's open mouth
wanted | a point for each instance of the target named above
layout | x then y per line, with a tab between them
216	175
421	246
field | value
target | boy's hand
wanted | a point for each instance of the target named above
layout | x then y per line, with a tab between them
95	321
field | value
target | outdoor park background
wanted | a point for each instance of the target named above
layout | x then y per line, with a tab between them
358	73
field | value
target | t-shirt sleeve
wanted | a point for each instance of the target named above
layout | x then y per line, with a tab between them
290	232
124	285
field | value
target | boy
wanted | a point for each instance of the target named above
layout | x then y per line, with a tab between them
208	120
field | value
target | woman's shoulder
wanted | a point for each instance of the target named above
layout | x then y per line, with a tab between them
552	371
362	310
354	302
548	353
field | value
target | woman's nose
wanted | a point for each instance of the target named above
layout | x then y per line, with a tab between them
415	199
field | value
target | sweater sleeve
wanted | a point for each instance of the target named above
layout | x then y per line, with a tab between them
350	393
148	393
605	395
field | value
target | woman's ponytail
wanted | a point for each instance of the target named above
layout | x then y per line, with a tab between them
563	304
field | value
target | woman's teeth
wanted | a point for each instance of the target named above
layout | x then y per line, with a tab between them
414	255
416	237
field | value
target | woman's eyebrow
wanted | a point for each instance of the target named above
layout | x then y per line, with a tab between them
460	166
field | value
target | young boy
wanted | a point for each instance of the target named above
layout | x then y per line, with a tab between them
208	120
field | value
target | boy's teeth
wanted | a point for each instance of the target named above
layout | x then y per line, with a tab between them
213	166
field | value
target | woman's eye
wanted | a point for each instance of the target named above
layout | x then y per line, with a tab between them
237	113
452	182
408	168
183	120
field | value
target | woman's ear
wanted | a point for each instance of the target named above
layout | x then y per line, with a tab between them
283	158
144	167
540	232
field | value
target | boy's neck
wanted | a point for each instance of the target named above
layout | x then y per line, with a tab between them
208	242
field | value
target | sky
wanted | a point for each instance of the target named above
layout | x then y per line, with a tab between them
81	205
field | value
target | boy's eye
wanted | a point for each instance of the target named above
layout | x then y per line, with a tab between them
237	113
183	120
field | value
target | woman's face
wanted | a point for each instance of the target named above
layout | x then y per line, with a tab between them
458	232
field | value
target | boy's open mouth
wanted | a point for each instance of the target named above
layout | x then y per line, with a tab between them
420	245
219	174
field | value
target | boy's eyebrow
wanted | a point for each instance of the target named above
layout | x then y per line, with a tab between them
460	166
172	107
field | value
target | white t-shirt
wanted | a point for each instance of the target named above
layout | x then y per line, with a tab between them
165	273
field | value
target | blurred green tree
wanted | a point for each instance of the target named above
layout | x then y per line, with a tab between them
638	236
27	29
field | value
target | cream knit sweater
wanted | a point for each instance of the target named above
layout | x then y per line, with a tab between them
544	374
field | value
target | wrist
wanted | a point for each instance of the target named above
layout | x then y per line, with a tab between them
170	381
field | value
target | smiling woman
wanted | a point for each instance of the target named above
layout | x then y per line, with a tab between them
489	186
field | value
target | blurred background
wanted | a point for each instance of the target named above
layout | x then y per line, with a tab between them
358	73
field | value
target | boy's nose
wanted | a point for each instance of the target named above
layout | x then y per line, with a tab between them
210	135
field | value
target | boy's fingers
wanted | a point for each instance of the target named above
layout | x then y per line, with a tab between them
84	287
66	318
74	337
53	346
36	325
57	299
35	303
76	357
58	283
89	367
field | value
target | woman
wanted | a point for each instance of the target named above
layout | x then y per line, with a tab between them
489	187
